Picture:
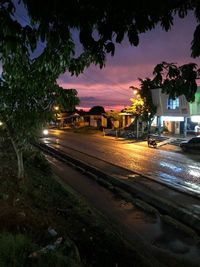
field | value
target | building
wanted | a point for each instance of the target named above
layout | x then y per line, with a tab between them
126	119
177	116
195	108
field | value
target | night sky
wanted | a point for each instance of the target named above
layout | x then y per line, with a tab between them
109	87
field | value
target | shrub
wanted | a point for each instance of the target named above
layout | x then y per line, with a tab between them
165	129
37	159
14	249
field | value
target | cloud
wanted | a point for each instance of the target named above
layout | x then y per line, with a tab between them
89	99
108	103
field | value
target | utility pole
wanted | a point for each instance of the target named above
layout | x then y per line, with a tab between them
135	93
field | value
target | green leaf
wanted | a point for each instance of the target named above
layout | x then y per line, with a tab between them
196	43
133	35
110	48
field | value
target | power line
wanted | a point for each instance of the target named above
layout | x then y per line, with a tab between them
112	88
123	88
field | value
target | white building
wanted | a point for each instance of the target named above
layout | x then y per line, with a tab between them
176	115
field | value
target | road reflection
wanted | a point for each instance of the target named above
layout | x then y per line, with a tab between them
167	177
167	165
192	171
171	166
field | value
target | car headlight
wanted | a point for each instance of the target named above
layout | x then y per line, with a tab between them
45	132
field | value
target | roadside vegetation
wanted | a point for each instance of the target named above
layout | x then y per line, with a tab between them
43	223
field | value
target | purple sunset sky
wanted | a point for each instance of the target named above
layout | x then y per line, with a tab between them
109	87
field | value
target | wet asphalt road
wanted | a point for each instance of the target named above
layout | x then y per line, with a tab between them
167	164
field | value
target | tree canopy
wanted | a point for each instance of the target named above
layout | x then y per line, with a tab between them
66	99
97	110
142	103
113	115
26	102
110	20
175	80
100	24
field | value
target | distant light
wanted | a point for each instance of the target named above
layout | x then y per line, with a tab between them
172	118
195	118
135	92
56	108
1	123
135	89
45	132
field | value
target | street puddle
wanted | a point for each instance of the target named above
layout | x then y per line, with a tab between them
159	233
178	242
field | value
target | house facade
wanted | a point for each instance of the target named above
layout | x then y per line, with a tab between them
176	116
195	108
98	121
126	119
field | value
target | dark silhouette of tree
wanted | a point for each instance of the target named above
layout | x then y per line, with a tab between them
97	110
110	20
176	80
100	25
67	99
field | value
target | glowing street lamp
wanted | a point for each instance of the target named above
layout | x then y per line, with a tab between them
1	123
135	90
140	101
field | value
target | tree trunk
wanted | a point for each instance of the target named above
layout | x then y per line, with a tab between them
19	154
148	127
20	162
137	128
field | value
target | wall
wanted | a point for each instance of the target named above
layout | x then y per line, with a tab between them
160	100
195	106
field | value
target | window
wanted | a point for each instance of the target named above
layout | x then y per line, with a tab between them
173	103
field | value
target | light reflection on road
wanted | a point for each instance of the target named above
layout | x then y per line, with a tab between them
193	186
167	177
194	171
171	166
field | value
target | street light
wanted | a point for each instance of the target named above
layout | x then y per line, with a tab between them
56	108
1	123
136	97
135	90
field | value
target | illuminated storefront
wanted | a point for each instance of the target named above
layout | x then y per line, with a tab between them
176	116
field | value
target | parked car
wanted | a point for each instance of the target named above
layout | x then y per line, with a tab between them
191	145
